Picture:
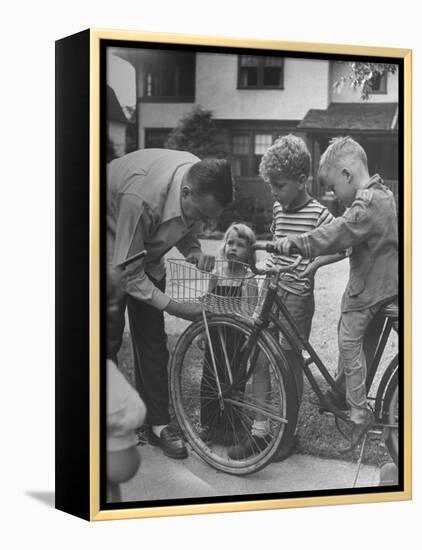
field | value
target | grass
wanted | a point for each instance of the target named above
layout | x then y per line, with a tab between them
318	435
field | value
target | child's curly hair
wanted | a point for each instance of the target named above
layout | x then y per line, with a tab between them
289	156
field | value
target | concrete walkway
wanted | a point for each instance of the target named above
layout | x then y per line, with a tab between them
161	478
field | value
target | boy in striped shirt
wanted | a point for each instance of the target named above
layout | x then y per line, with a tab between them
286	166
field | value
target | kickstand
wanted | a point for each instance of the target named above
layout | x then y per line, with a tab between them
359	463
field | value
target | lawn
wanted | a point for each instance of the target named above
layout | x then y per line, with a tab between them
317	433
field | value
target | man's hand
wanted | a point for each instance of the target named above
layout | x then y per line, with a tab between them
190	312
283	246
203	262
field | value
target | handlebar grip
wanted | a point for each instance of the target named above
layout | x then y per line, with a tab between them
270	248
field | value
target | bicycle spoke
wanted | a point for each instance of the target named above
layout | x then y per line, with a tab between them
250	407
226	359
214	426
259	404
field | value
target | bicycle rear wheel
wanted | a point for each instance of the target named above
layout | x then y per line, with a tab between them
391	416
216	415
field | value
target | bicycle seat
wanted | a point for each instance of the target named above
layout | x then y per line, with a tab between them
391	310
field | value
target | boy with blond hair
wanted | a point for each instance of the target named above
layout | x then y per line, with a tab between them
369	226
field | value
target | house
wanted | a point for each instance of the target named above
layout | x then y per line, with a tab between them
256	98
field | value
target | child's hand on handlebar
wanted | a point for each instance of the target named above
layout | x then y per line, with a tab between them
309	272
283	246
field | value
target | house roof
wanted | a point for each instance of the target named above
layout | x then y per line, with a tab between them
114	110
352	116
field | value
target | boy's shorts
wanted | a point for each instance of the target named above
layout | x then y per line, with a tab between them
301	308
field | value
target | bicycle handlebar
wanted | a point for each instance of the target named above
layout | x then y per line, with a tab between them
269	247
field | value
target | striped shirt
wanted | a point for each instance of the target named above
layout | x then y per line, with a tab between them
296	222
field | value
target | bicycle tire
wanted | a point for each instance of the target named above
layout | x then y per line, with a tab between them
391	416
188	370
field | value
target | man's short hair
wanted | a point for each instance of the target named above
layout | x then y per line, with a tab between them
213	177
340	148
288	156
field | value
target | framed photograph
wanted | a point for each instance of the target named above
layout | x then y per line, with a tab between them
233	244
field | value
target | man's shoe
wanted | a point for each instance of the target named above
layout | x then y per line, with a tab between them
253	444
170	443
359	431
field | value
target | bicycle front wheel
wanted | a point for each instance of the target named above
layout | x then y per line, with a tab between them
220	408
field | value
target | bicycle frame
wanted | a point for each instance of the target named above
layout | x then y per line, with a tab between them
290	332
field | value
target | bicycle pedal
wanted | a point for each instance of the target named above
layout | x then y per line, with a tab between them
327	413
375	431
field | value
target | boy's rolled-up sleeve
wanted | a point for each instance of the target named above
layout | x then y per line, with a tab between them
344	232
133	223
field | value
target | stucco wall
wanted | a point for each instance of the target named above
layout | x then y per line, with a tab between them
305	87
348	95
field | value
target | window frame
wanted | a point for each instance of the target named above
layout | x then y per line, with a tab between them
261	64
159	64
251	155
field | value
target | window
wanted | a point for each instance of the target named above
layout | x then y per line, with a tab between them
247	150
155	138
257	72
169	76
262	142
240	150
378	83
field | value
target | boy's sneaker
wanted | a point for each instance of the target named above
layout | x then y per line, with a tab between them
359	431
251	445
335	399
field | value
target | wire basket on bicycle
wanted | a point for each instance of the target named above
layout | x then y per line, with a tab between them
230	289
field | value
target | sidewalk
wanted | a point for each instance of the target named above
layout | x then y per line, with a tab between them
161	478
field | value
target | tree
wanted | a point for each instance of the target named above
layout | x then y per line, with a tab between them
361	74
197	133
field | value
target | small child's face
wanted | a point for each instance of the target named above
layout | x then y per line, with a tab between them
236	248
285	189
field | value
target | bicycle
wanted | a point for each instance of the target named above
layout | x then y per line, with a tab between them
217	361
